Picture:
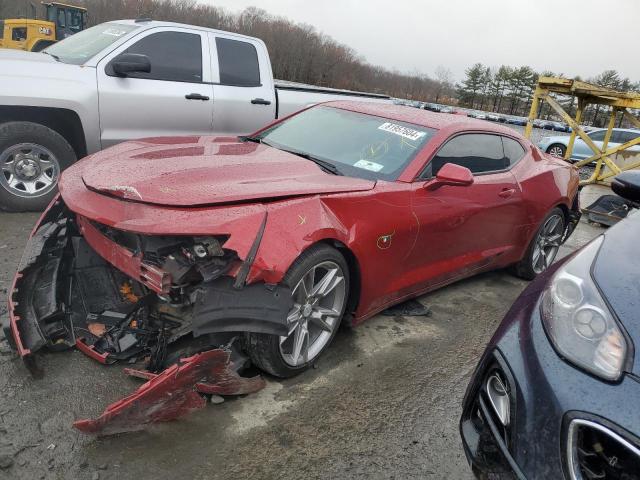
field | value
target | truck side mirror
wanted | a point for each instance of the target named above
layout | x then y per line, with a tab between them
127	63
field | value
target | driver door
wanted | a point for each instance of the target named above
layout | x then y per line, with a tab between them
464	229
175	98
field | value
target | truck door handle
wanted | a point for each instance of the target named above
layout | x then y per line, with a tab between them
506	192
196	96
260	101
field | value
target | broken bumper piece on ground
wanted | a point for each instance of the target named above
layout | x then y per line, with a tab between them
146	300
173	393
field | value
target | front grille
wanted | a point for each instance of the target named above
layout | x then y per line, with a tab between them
598	453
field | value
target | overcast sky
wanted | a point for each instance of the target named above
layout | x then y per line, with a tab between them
419	35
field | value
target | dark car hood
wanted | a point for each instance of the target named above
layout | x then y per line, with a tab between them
617	273
196	171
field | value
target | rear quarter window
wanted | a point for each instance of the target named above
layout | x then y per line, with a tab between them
238	63
513	151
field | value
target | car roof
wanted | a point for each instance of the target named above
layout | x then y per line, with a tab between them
632	130
424	118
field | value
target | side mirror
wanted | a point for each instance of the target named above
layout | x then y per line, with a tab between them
627	185
128	63
451	174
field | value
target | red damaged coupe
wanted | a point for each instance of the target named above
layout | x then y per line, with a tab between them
197	256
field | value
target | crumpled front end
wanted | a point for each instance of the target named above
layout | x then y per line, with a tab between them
143	299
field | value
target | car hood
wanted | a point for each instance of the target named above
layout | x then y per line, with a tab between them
198	171
19	67
616	271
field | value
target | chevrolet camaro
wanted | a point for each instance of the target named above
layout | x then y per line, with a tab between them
262	245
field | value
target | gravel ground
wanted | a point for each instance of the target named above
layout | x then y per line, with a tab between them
383	403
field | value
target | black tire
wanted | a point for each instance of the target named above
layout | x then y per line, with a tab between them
15	133
557	147
525	268
264	350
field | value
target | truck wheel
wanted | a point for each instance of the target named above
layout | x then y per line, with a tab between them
319	280
31	159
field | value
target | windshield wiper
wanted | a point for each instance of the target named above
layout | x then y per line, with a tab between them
56	58
323	164
247	138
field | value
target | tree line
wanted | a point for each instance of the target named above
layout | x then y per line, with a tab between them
509	90
300	53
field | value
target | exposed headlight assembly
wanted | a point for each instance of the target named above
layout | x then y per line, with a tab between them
577	320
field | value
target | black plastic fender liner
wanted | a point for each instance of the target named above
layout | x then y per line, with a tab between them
257	308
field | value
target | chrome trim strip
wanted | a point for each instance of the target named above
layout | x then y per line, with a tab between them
572	433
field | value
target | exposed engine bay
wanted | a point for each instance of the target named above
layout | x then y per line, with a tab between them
149	301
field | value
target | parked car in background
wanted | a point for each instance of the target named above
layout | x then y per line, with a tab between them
445	109
334	212
129	79
556	393
493	117
557	145
478	114
517	121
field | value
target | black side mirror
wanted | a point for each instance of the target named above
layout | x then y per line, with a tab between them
627	185
128	63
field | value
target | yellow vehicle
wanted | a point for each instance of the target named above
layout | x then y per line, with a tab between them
62	21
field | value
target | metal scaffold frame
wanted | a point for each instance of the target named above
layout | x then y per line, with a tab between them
587	94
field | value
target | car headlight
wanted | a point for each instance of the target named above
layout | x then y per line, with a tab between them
578	321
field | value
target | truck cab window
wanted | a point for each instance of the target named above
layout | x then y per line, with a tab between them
238	63
480	153
19	34
174	56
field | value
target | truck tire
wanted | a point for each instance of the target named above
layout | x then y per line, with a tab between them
31	159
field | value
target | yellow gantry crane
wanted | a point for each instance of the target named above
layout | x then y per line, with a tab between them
588	94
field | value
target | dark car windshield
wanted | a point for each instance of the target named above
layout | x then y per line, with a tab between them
359	145
81	47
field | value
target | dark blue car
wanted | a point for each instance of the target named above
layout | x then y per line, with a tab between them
556	394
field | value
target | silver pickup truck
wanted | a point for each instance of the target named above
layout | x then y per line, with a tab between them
132	79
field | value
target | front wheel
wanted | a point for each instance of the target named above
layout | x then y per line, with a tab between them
544	246
31	159
557	150
319	280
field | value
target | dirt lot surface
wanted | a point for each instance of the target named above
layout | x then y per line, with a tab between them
383	402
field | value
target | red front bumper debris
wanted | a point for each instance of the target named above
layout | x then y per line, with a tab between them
172	393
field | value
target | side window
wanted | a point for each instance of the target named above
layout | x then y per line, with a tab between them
513	151
598	136
238	63
174	56
478	152
19	34
61	18
627	136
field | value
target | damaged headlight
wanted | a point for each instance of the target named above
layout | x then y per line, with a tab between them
578	321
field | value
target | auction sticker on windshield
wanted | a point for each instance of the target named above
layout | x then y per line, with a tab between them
367	165
405	132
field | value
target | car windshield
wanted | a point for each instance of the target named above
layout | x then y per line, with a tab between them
356	144
79	48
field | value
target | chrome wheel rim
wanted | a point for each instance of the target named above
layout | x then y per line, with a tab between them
556	151
547	243
318	303
28	170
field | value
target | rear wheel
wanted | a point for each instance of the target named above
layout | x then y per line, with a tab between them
31	159
319	280
557	150
544	247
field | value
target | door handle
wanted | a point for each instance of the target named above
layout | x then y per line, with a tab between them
506	192
196	96
260	101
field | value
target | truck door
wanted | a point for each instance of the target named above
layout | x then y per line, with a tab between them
175	98
244	94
